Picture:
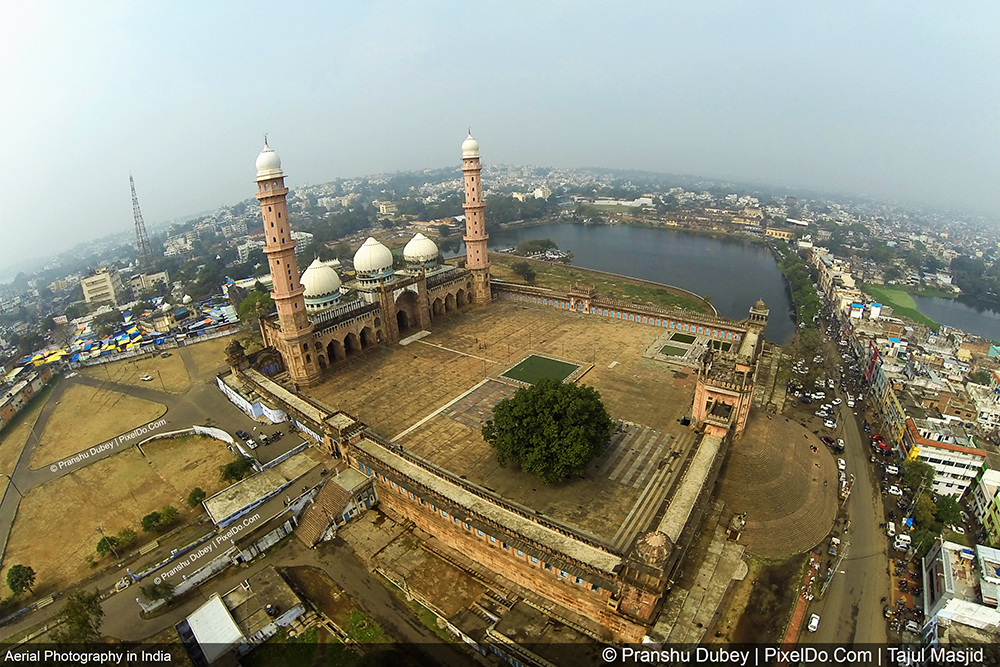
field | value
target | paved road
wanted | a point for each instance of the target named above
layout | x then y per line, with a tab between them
851	612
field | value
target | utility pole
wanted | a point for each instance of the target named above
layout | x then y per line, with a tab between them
14	485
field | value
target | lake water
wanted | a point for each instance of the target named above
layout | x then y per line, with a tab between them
954	313
735	273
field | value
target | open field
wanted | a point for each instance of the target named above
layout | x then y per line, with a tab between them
56	525
88	416
210	355
15	436
901	302
536	368
562	277
168	374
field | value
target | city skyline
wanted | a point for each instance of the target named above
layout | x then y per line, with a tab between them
866	100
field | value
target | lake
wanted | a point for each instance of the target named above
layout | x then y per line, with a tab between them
954	313
733	272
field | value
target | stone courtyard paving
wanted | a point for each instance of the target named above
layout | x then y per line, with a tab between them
430	398
788	491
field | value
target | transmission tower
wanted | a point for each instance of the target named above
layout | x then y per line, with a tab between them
141	240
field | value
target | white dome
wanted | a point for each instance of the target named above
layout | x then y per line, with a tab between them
268	163
372	258
420	249
320	280
470	147
187	299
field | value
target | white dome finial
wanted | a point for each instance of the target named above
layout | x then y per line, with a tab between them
268	162
470	147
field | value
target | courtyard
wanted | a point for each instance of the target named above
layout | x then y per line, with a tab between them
433	395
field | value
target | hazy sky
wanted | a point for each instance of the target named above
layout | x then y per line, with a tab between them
897	99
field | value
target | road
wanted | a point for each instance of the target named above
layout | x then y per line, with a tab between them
851	611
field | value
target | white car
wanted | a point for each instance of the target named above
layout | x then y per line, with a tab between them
813	623
830	424
957	529
837	401
895	490
840	443
841	464
146	378
251	444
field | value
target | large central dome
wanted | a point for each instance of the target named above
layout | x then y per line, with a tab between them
372	259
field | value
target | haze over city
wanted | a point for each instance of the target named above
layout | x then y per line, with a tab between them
891	101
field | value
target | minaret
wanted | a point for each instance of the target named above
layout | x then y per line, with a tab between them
294	340
475	222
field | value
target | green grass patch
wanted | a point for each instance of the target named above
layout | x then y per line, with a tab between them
309	648
535	368
682	337
902	303
561	278
365	630
673	351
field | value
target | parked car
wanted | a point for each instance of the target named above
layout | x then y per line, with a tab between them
263	439
242	435
164	354
891	470
832	425
251	444
146	378
827	439
841	464
957	529
895	490
837	401
813	623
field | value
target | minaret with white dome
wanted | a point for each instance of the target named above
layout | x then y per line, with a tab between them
295	329
476	237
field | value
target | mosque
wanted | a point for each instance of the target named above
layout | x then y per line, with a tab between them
610	581
321	320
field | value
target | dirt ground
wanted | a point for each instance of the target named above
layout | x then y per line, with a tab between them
56	525
73	427
168	374
735	605
211	355
769	602
13	439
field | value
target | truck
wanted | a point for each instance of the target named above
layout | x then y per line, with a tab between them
834	545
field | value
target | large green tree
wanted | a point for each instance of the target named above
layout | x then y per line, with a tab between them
552	429
917	473
81	618
20	578
948	511
248	309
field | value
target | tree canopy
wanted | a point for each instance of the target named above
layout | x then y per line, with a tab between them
20	578
81	618
248	309
236	470
551	430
